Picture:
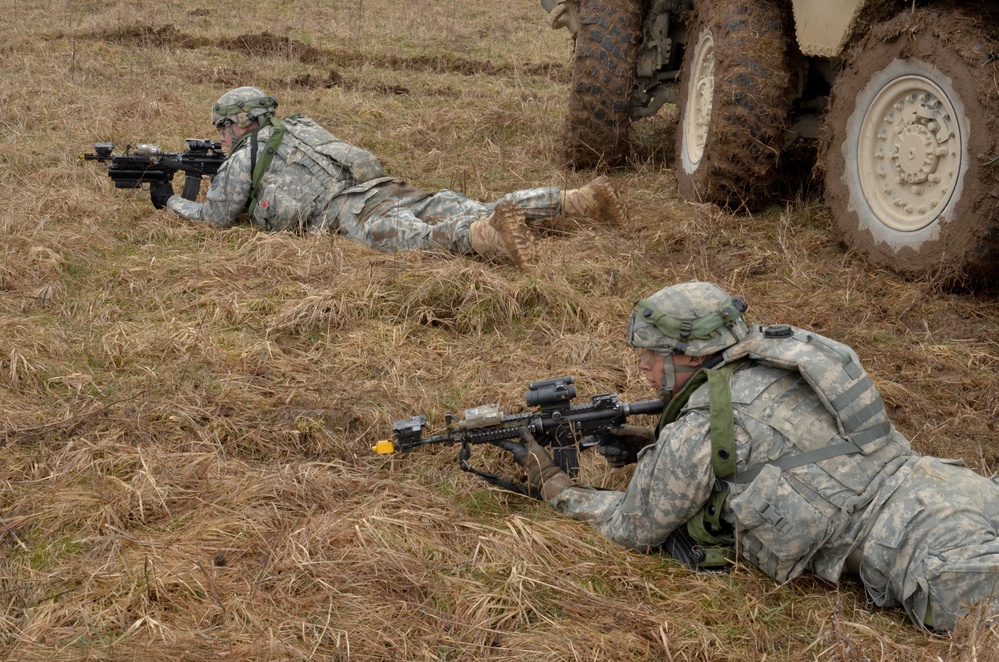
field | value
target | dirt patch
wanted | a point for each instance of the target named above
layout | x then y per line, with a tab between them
310	80
229	77
332	78
266	44
269	45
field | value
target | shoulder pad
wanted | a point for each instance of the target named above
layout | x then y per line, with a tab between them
832	369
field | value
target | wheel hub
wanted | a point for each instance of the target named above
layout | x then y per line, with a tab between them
913	156
909	155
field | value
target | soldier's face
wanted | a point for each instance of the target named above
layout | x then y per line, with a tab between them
650	364
228	135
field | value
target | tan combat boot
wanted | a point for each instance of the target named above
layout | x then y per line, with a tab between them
504	233
598	200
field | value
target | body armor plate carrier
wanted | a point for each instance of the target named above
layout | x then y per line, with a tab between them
768	502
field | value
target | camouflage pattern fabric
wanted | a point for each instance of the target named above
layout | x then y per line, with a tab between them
336	187
718	323
934	545
776	414
227	196
925	535
396	217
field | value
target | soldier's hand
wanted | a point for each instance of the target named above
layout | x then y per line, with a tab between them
542	474
522	447
160	192
625	443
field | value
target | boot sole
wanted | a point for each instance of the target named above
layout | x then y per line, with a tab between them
509	222
614	209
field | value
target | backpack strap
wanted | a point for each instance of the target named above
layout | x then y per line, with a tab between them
705	545
259	167
706	527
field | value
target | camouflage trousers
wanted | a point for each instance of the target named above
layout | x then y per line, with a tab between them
933	549
399	217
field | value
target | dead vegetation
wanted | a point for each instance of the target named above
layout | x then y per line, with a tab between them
187	413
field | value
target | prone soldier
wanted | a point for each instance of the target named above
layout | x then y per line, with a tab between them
775	447
291	174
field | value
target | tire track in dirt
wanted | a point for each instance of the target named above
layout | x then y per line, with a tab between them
265	44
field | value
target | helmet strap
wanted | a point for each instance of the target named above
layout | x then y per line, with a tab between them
670	373
669	377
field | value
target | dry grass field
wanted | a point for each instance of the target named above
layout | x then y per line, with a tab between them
187	413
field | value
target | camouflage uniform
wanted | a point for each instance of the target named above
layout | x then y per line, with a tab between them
933	547
333	186
926	527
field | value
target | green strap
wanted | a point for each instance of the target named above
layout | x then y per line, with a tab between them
705	526
721	414
722	422
264	162
678	401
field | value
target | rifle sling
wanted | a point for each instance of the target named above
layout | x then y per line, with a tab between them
493	479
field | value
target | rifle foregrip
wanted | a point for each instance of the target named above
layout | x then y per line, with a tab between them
566	458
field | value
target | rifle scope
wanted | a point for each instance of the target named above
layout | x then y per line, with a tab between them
551	393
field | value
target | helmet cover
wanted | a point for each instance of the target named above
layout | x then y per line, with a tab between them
695	318
243	106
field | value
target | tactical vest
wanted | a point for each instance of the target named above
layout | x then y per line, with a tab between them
819	397
299	170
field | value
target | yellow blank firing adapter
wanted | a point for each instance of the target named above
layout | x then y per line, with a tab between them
384	447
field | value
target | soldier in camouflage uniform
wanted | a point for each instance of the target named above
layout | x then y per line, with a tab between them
291	174
775	447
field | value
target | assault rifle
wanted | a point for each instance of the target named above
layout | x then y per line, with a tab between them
148	164
567	428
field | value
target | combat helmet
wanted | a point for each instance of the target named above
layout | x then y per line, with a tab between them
695	318
243	106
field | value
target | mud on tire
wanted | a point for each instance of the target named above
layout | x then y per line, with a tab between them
911	139
603	78
734	104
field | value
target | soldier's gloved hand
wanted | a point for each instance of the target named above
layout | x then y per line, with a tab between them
542	474
160	192
626	442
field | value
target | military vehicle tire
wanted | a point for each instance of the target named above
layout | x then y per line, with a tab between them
734	103
603	79
910	179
